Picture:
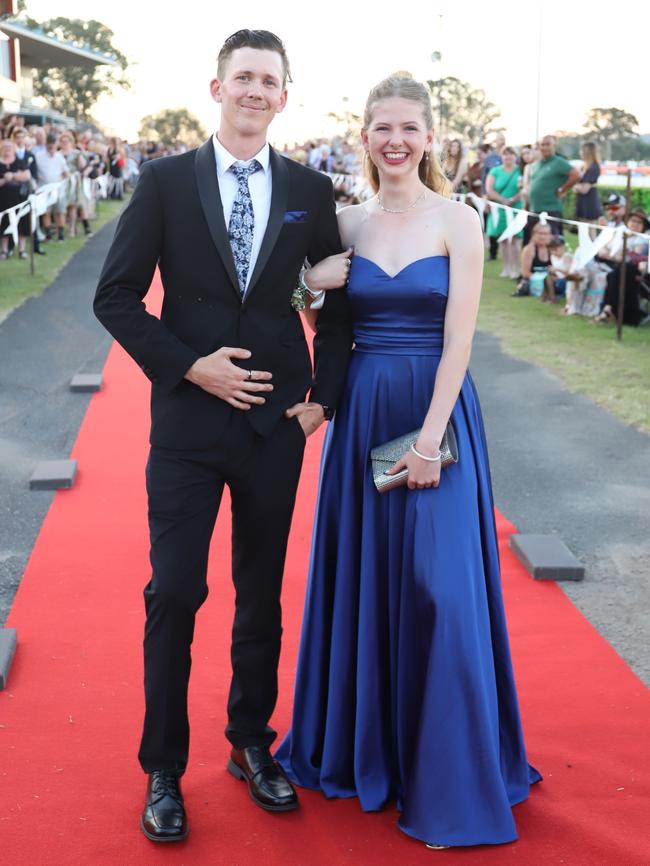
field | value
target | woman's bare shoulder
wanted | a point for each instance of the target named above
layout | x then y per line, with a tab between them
350	219
459	215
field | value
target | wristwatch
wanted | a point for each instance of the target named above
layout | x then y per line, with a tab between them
328	412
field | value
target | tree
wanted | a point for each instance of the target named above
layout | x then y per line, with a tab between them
172	124
568	144
74	90
461	109
348	120
607	125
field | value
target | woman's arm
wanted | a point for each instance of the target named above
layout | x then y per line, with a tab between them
492	194
464	241
332	272
527	261
465	246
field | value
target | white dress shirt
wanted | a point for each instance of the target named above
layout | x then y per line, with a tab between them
260	186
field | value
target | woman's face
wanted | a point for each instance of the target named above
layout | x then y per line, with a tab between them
636	224
542	235
397	137
65	142
509	161
526	154
7	151
454	148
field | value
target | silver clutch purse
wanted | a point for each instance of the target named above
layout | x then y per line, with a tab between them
384	456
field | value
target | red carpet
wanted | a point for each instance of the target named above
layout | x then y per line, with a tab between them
70	785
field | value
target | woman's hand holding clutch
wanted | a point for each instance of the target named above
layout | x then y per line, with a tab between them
423	469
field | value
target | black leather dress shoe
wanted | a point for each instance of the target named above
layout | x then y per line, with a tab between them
267	782
163	819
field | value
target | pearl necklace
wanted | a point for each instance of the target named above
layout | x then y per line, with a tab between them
404	210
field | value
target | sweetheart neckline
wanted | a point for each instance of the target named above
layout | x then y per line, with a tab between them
401	271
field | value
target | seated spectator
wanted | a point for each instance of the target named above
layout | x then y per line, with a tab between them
636	260
614	205
535	263
563	278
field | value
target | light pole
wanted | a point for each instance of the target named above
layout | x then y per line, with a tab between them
539	67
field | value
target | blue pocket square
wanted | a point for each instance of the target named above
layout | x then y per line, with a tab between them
295	216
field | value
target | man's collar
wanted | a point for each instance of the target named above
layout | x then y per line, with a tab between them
226	160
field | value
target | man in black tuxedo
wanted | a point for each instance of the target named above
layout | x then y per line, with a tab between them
229	226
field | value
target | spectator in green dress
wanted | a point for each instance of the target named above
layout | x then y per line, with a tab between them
503	186
550	178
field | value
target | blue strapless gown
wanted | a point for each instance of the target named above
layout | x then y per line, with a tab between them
404	688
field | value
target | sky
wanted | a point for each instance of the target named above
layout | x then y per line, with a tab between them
342	50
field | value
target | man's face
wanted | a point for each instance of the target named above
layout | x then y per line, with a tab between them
615	212
547	146
252	91
51	147
500	140
19	138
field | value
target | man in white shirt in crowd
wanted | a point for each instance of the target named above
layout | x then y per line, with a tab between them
53	168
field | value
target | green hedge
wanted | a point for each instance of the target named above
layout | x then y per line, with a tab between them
640	198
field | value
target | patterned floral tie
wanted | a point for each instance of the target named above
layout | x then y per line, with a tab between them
242	222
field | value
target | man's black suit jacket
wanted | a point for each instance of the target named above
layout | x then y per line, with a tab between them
175	220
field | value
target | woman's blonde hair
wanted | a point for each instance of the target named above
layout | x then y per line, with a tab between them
589	151
402	85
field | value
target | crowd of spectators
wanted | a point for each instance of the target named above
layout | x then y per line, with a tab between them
537	178
32	156
533	177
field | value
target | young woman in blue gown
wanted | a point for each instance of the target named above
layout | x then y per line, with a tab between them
404	689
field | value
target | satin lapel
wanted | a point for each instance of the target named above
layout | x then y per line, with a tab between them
205	168
279	197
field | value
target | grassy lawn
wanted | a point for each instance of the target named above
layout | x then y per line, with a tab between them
587	358
16	282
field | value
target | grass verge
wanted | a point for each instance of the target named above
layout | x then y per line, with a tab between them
586	357
16	282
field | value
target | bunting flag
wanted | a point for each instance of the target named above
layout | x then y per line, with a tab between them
617	241
517	223
479	203
15	215
588	247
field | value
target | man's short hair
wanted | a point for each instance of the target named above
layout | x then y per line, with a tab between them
263	40
51	138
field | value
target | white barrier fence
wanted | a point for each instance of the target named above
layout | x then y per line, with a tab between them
45	197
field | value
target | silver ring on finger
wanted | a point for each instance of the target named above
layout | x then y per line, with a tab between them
250	376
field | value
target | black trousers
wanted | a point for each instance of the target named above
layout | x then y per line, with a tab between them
185	490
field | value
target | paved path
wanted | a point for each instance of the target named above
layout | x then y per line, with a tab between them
560	463
43	344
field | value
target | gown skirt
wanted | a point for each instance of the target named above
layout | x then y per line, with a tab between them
404	688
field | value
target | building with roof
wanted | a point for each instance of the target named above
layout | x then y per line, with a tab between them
25	49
